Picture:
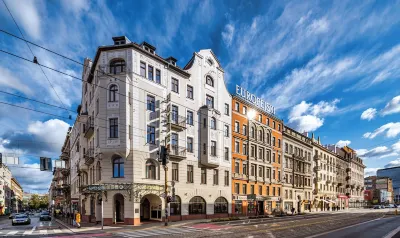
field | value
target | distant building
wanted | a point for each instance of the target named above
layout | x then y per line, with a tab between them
5	190
380	188
394	174
16	195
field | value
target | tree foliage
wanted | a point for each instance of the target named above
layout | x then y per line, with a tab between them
36	202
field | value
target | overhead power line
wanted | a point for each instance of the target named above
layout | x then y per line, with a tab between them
34	57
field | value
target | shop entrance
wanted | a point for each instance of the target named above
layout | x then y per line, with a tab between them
260	207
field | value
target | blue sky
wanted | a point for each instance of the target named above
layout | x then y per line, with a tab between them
329	67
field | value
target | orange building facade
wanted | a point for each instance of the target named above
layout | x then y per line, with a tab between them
256	159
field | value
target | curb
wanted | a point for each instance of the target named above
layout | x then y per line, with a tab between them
63	224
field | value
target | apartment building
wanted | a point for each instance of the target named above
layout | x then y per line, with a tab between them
5	190
16	195
354	177
394	174
325	177
133	102
297	171
256	156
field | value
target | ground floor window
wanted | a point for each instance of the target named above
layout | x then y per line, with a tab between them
238	207
288	206
307	206
268	206
221	205
175	206
251	207
197	205
277	206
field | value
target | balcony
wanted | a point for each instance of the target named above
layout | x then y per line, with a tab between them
328	181
316	180
317	168
252	178
315	191
177	152
177	123
348	178
64	156
334	182
89	128
89	156
348	170
65	172
340	184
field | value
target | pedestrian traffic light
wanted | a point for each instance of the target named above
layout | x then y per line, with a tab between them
163	155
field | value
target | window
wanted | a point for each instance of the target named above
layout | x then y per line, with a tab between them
237	146
226	178
197	205
279	192
151	135
237	126
189	119
175	114
227	109
190	145
279	159
237	188
215	177
273	124
220	205
237	106
260	171
213	148
175	206
203	176
142	69
158	76
150	74
279	127
151	103
175	85
213	124
210	81
253	151
226	131
175	172
279	143
252	132
118	168
253	170
245	152
273	141
189	92
210	101
245	169
113	90
97	106
260	118
273	191
97	137
98	173
261	135
273	157
267	121
226	153
117	66
267	190
273	174
150	169
286	148
251	189
244	189
113	127
190	173
260	189
244	110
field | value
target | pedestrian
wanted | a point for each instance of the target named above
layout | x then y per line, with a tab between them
293	210
78	219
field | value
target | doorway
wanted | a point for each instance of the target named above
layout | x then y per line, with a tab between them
260	207
119	208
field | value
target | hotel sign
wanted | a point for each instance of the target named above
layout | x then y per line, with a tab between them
253	99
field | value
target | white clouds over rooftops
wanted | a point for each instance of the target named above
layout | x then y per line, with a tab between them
368	114
392	107
342	143
392	129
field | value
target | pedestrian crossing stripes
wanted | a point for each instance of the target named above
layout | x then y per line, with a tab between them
33	233
157	232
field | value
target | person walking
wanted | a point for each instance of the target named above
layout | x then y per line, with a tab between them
292	210
78	219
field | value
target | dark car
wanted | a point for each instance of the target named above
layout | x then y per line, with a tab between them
45	216
12	215
21	219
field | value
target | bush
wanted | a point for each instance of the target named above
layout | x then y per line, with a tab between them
225	219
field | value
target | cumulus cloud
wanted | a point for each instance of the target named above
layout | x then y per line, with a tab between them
31	178
309	117
370	171
368	114
380	152
392	107
228	33
342	143
393	163
392	129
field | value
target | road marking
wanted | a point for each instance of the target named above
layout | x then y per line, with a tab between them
33	228
43	231
28	232
57	231
12	232
392	233
328	232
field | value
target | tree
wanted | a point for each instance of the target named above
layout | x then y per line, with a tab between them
44	202
34	201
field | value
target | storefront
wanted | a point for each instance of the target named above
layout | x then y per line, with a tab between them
306	204
343	202
287	206
239	204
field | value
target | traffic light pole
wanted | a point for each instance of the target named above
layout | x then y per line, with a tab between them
166	194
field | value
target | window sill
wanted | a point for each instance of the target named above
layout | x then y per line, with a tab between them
189	182
203	184
117	177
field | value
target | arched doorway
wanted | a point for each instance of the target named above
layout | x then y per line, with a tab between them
92	209
150	208
119	207
197	205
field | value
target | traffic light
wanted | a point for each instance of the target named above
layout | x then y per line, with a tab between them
163	155
1	158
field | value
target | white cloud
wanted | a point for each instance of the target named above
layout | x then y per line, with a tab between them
8	80
308	117
228	33
368	114
380	152
392	129
392	107
342	143
76	6
393	163
318	26
31	178
52	131
370	171
27	16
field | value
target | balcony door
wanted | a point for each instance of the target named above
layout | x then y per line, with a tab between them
175	114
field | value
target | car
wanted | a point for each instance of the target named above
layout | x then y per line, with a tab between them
21	219
45	216
377	207
382	206
12	215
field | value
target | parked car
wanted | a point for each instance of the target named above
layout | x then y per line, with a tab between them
377	207
12	215
21	219
45	216
382	206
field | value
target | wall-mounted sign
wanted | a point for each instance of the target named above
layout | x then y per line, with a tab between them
258	102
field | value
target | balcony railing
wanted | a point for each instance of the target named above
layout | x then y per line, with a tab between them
107	69
177	122
317	180
89	127
64	156
89	156
328	181
65	172
318	168
317	157
177	152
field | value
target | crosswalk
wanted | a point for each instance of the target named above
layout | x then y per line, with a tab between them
157	232
34	232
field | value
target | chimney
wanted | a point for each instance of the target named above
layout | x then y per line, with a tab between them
312	135
319	141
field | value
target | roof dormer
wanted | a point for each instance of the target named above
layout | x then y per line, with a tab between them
147	47
171	60
121	40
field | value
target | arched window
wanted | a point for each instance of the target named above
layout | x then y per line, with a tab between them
260	135
221	205
175	206
252	132
210	81
113	90
213	123
197	205
118	168
268	139
150	170
117	66
98	168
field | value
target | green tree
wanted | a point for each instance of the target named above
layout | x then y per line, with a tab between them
44	202
34	202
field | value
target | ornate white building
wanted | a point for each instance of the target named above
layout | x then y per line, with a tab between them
134	101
